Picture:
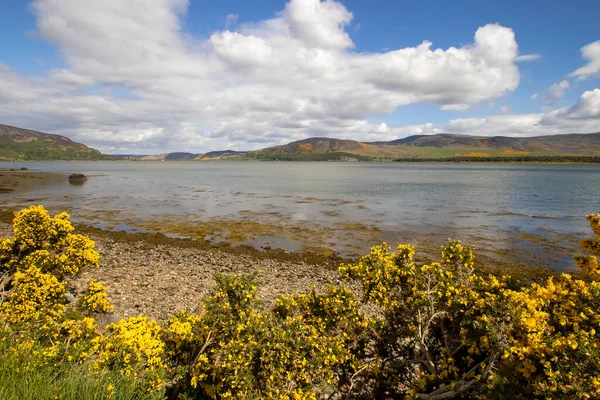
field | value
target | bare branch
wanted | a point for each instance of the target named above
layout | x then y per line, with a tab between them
450	391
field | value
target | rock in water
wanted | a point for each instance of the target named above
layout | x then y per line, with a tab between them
77	178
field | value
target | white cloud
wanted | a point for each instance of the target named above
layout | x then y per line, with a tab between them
241	51
557	91
505	109
534	96
586	108
319	23
15	88
511	125
134	79
230	20
455	107
581	117
528	57
590	52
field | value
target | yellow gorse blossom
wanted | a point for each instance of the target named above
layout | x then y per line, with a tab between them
47	242
95	299
396	329
35	295
589	263
130	342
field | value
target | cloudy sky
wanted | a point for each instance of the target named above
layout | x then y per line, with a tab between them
152	76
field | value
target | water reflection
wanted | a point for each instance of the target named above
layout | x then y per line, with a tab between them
351	204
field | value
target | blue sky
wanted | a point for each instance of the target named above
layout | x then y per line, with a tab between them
228	60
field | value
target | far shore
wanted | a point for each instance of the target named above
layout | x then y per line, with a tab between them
375	159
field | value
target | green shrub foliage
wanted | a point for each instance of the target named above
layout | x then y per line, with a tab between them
395	329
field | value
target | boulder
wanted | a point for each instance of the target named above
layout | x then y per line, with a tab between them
77	178
23	168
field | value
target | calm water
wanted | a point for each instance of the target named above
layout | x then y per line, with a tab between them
490	202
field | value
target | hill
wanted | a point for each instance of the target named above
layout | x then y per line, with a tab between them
178	156
181	156
221	155
436	147
321	149
131	157
571	144
25	144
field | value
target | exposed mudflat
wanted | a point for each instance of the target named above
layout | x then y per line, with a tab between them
163	230
160	280
515	215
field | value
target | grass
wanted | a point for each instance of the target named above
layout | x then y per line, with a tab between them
24	377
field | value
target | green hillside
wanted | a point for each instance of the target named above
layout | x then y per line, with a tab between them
24	144
440	146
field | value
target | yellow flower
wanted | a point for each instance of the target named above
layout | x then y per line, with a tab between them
35	295
95	299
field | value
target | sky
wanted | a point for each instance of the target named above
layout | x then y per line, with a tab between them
156	76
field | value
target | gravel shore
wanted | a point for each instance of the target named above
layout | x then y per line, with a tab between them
160	280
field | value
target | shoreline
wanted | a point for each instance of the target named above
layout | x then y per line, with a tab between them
270	233
159	280
167	273
157	276
495	260
153	275
451	160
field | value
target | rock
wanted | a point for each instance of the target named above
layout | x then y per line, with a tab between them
70	297
23	168
77	178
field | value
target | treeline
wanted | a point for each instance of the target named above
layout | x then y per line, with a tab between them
542	159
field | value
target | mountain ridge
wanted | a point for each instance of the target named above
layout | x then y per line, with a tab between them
445	145
21	144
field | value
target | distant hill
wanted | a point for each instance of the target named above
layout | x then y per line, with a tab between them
179	156
317	145
440	146
25	144
436	146
317	149
129	156
574	144
210	156
155	157
221	155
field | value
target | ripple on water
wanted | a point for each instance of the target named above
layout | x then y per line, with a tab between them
304	204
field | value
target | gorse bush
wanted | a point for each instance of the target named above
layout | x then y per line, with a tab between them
398	330
95	299
48	243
